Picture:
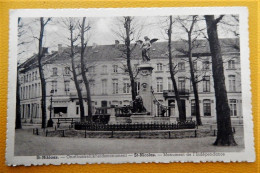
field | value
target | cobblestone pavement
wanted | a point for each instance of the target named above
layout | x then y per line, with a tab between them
27	144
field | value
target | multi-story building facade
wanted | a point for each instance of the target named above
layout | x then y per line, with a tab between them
110	84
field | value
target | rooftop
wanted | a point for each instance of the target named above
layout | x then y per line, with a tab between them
158	50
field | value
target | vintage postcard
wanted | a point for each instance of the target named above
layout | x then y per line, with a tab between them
129	85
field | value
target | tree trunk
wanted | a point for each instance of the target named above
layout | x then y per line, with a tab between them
128	57
43	83
182	116
18	123
83	69
225	134
194	83
81	105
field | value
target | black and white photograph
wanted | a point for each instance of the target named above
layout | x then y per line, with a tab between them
129	86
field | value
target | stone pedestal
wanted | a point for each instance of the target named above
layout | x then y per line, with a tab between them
145	72
112	119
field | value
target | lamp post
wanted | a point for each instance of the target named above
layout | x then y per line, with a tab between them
31	113
50	122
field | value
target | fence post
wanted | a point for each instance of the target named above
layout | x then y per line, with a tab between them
37	131
55	128
46	133
112	134
63	133
195	133
169	134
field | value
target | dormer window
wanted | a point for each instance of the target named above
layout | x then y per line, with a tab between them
231	64
55	71
159	67
67	70
115	68
181	66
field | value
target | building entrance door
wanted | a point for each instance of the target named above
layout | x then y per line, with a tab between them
104	105
183	105
171	110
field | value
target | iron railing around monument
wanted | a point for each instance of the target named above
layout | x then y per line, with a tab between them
135	127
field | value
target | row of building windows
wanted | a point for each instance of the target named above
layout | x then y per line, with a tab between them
159	85
181	84
159	67
207	107
115	86
205	84
78	68
29	77
206	111
205	65
30	110
33	109
55	71
31	91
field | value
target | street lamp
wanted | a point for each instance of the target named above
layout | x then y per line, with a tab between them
50	122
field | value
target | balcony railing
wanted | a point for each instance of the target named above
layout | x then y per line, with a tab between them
171	93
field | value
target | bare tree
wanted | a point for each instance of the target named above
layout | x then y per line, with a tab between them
230	25
18	122
225	134
41	53
84	29
127	26
130	33
182	115
72	25
188	25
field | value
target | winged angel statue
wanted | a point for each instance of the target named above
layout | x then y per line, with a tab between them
145	46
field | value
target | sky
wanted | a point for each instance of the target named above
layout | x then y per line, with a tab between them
103	31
